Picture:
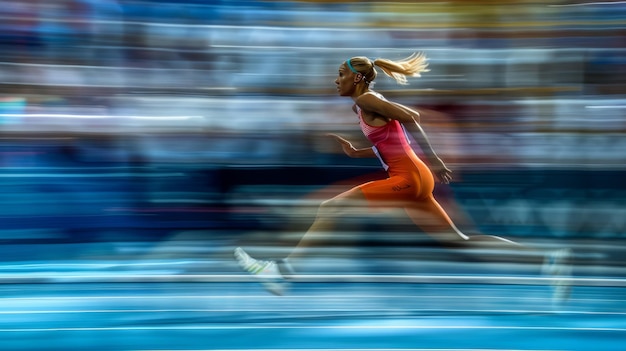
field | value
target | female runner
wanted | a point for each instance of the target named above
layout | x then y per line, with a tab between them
410	183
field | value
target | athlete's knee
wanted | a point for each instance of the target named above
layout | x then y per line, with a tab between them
338	206
330	207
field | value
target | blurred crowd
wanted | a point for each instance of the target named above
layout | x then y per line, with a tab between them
549	74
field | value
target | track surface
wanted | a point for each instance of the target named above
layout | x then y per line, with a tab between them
170	304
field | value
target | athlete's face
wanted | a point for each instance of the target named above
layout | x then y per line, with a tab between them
344	81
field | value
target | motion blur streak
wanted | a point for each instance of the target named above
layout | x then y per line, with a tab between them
143	140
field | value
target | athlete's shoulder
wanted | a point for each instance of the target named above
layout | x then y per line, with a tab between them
371	95
369	100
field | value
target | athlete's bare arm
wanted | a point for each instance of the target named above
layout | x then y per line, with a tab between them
379	110
437	166
351	151
373	107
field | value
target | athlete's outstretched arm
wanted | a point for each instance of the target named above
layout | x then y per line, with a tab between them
350	150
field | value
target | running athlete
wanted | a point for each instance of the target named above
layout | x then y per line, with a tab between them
410	181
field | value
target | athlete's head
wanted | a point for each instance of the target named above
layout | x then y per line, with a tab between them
357	73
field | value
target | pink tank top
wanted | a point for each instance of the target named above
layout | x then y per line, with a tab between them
391	142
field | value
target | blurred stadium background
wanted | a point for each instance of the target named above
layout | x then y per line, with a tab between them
143	140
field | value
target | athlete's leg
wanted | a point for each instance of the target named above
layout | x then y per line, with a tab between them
349	202
385	193
299	218
427	214
433	220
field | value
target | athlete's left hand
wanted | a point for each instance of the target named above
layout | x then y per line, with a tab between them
439	169
346	146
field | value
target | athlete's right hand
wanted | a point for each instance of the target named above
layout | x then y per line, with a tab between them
439	169
346	146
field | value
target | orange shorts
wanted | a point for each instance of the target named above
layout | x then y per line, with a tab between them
409	179
414	194
410	186
393	188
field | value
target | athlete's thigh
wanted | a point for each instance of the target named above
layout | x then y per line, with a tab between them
393	191
427	214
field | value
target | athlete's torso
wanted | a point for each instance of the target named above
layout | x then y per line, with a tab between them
391	143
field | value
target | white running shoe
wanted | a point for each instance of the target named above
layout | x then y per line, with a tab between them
266	271
558	265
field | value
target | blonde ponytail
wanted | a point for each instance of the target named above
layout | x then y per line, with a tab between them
411	66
